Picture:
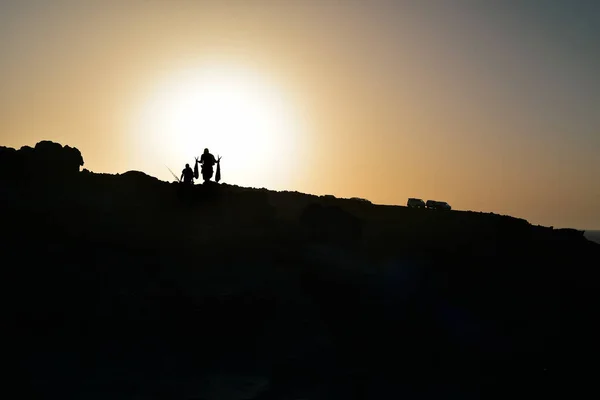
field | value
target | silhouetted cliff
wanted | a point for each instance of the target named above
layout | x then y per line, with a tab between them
124	284
47	160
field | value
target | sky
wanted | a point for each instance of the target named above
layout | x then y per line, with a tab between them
490	106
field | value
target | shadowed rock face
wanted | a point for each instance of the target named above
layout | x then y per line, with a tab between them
331	224
212	291
572	233
47	160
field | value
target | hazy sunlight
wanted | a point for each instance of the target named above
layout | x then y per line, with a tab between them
233	112
490	106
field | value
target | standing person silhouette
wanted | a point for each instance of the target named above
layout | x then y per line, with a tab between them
187	175
207	161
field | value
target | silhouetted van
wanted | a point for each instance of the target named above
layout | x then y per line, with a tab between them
437	205
442	205
415	203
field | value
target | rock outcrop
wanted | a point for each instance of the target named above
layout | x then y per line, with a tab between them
46	161
115	279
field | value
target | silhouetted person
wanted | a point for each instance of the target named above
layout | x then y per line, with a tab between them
208	161
187	175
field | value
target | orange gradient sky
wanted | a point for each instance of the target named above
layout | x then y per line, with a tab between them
490	106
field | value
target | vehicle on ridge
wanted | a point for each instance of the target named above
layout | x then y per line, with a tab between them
437	205
415	203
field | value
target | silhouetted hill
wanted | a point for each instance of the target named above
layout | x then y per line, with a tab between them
594	236
47	160
124	286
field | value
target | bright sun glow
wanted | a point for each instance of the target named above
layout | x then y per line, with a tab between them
232	112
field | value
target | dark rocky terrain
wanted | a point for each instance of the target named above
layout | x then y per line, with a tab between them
124	286
594	236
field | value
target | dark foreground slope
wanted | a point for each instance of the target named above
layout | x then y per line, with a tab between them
122	286
594	236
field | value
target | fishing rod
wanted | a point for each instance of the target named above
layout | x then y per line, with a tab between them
174	176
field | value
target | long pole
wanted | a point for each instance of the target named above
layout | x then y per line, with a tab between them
174	176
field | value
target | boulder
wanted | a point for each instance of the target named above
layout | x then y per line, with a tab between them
47	160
